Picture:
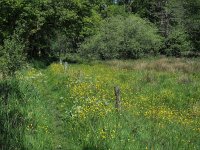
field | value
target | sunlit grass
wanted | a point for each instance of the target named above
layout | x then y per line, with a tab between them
159	106
74	108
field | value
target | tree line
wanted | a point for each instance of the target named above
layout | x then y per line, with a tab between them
99	29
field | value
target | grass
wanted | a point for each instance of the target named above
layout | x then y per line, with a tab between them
75	108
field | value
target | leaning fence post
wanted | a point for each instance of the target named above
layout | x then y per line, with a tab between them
117	100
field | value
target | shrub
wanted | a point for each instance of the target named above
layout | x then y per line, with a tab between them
122	37
11	55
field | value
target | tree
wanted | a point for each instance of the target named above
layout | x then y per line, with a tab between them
39	21
123	37
192	22
169	16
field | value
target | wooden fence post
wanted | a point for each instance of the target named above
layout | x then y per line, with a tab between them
117	100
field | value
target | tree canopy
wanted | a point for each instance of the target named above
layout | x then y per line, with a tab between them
48	28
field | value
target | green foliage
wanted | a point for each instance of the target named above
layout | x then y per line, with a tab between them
141	38
169	15
147	9
74	58
60	45
115	10
123	37
39	21
177	42
12	55
192	22
105	43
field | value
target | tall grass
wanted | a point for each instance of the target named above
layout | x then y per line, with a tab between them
12	117
22	125
157	108
56	108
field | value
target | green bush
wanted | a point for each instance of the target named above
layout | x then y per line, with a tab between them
11	55
123	37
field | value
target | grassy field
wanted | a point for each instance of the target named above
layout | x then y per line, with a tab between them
75	108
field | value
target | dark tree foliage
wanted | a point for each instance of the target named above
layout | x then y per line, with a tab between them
39	25
192	22
39	21
170	15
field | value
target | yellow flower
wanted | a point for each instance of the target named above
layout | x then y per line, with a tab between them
103	134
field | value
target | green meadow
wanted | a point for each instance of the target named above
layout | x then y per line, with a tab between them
99	75
74	107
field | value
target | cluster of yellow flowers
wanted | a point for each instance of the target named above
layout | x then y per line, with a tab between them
92	92
170	115
31	74
91	100
56	69
105	133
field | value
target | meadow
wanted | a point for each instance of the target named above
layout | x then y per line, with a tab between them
74	107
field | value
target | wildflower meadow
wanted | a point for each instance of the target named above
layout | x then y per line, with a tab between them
74	108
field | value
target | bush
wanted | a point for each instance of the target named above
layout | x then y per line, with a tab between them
11	55
122	37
